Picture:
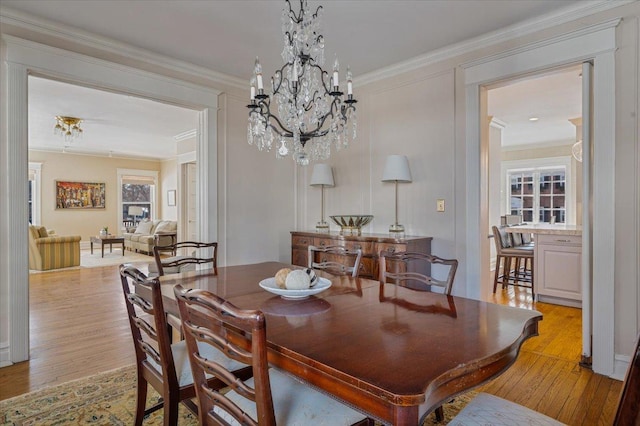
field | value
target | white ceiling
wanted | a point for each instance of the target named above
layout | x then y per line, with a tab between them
226	35
552	98
113	124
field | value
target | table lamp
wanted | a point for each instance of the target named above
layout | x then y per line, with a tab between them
322	176
396	170
135	211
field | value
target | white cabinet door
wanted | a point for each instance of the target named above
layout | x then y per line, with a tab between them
559	267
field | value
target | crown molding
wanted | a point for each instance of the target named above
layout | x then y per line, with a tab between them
189	134
572	13
73	35
114	155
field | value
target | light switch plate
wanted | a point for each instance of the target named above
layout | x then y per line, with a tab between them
440	205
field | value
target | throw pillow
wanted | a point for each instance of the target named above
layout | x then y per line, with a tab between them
144	228
166	226
42	232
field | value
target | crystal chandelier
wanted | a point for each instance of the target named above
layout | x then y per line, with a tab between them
69	127
311	112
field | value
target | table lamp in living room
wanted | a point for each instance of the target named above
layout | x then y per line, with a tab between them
322	176
396	170
135	211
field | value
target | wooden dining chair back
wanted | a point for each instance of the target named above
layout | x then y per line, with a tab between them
335	260
188	253
628	413
154	355
399	268
241	334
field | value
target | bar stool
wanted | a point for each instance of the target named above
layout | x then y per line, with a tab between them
506	254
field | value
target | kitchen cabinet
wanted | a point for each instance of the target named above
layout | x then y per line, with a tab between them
557	259
559	267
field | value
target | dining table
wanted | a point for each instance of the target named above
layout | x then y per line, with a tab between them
392	352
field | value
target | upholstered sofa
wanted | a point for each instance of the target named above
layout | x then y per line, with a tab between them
144	237
48	251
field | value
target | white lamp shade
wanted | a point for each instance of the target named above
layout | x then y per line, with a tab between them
135	211
322	175
396	169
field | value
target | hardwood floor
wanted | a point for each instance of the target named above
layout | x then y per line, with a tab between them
79	328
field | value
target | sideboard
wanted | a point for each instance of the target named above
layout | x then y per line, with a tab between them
370	244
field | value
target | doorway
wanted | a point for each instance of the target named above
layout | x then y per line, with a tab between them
27	58
535	180
596	44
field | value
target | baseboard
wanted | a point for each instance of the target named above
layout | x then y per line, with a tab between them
4	355
620	366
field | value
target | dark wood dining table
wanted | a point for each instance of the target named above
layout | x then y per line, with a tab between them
393	352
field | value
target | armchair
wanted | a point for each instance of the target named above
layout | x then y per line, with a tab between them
51	252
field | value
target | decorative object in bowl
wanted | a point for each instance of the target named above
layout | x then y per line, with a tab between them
270	285
349	223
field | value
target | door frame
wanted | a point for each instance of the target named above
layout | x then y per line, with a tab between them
596	43
23	58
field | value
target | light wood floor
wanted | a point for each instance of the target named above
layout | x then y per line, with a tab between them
79	328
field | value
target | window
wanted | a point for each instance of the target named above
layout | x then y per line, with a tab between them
538	194
137	195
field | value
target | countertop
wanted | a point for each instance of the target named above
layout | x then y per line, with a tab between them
547	229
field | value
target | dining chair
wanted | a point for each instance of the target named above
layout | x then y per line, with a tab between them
396	267
333	259
506	255
163	365
270	397
488	409
628	412
198	254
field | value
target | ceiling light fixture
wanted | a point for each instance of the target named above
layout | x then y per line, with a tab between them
312	113
534	118
69	127
576	150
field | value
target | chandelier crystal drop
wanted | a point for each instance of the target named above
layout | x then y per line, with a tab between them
69	128
310	113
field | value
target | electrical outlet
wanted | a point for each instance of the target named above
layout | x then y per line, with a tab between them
440	205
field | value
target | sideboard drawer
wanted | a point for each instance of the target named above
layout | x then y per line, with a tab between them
301	240
394	248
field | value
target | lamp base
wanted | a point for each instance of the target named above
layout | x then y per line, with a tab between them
322	227
396	228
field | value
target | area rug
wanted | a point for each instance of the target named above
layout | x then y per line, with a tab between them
88	260
95	260
109	399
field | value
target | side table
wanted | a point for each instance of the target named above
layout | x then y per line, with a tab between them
107	239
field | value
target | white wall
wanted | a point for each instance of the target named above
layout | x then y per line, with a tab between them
168	182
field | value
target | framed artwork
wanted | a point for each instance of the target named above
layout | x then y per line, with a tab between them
80	195
171	197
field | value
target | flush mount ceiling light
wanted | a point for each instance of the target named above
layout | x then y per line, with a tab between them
312	113
68	127
534	118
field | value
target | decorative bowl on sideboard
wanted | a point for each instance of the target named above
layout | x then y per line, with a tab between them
351	223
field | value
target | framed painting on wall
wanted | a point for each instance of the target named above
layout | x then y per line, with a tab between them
171	197
80	195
